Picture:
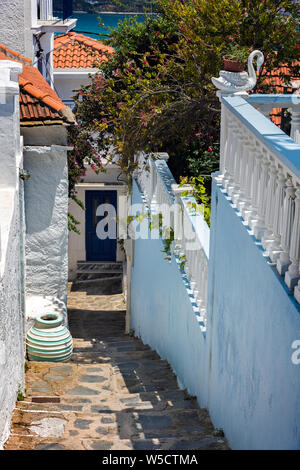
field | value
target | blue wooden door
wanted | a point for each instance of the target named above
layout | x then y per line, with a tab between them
101	248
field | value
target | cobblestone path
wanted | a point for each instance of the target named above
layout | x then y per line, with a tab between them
114	393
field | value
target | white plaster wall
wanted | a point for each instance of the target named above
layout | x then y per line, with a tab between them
15	24
65	86
46	207
12	352
77	242
11	294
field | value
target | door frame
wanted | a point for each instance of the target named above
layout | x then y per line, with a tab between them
100	190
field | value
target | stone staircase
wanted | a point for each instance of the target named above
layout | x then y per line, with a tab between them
115	392
93	271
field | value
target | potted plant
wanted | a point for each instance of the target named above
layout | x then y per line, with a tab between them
235	58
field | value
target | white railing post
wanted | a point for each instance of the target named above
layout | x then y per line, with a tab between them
268	236
295	124
288	212
255	185
292	275
178	215
231	184
246	206
46	10
259	226
275	247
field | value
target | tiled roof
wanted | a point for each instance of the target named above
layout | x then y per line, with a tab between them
277	81
39	104
73	50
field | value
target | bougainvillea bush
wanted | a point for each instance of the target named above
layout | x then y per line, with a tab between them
155	92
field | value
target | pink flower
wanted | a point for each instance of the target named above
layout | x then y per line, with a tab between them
209	149
198	133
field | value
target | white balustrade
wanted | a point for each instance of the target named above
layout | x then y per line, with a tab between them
45	10
295	124
261	174
165	197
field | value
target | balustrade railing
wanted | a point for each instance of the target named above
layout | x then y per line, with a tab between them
180	213
45	10
260	171
267	103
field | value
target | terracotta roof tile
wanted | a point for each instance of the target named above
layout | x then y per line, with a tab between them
39	104
275	79
73	50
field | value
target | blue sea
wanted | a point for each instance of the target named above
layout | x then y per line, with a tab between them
88	24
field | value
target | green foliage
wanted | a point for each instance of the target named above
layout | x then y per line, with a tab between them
155	92
199	192
168	238
236	52
72	224
20	395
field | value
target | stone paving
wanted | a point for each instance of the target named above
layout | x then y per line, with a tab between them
114	393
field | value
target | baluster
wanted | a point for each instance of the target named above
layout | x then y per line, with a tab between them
246	209
238	169
230	160
275	247
269	214
223	144
234	156
259	225
288	212
243	203
292	275
255	188
295	125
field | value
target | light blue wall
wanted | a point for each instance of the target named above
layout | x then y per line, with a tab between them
162	313
242	369
254	388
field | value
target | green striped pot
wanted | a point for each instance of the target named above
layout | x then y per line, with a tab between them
48	339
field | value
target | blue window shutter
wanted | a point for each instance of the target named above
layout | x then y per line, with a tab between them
67	8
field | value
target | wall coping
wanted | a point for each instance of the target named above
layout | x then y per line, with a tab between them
274	139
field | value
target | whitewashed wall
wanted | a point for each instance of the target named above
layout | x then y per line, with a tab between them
46	208
15	24
65	83
11	314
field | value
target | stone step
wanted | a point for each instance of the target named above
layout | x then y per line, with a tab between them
76	442
100	267
104	263
88	357
169	400
186	425
103	277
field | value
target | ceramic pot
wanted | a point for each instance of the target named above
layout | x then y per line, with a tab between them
48	339
233	65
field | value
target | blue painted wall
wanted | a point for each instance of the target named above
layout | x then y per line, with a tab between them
242	369
254	388
162	313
